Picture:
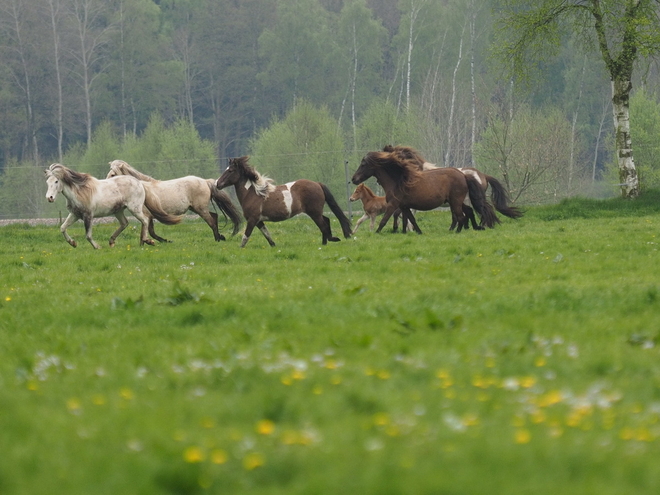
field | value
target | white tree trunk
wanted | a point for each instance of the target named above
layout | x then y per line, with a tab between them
621	108
54	19
450	124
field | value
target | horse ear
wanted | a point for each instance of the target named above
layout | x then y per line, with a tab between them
388	148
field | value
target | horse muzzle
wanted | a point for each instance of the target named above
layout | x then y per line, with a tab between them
50	199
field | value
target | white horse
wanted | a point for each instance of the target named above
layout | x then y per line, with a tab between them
177	196
88	197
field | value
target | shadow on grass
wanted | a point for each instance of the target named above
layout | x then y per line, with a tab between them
648	203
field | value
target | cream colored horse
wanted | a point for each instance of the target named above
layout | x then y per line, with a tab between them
180	195
88	197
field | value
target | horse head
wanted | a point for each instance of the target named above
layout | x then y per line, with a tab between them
364	171
236	170
54	175
357	194
116	168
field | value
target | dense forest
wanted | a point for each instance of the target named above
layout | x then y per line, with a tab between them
305	87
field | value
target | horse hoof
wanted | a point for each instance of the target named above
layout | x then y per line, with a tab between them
150	242
221	238
334	239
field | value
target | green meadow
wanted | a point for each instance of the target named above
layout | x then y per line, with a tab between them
522	359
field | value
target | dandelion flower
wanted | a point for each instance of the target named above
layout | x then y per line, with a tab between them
383	374
73	404
193	455
219	456
522	436
126	393
253	461
381	419
265	427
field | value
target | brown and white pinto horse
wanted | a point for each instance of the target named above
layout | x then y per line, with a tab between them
373	206
88	197
177	196
406	187
499	195
262	200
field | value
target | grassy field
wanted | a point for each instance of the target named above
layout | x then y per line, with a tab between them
522	359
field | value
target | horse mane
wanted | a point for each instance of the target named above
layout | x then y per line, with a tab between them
406	153
404	170
263	185
82	184
128	170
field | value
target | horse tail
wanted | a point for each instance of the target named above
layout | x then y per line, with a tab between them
501	198
480	202
339	213
152	203
226	206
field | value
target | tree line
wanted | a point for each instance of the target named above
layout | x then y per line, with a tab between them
304	86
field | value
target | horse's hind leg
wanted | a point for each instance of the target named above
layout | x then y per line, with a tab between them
143	218
470	218
264	231
152	231
211	218
323	223
70	220
123	223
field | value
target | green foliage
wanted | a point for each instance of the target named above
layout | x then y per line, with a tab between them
104	148
531	153
306	144
22	191
645	129
502	361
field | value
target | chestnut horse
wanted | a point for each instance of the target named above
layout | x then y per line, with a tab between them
88	197
499	195
177	196
406	187
373	206
262	200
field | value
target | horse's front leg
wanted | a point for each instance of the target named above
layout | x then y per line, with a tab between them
123	223
70	220
408	217
391	208
264	231
362	219
87	219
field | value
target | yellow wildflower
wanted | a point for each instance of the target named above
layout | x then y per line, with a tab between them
219	456
253	461
193	455
265	427
522	436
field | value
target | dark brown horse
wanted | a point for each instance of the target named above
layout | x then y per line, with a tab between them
406	187
499	196
262	200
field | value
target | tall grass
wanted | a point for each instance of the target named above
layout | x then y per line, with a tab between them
522	359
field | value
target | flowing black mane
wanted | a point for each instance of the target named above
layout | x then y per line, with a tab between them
406	153
405	172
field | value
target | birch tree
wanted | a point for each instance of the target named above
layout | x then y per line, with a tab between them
621	30
88	18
